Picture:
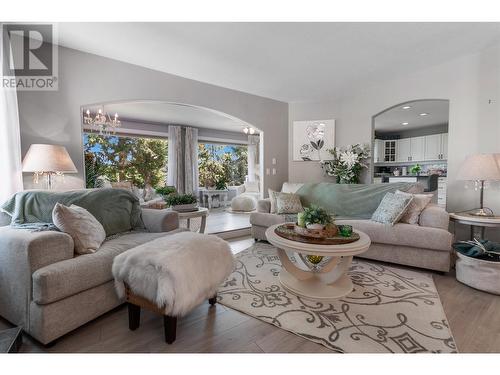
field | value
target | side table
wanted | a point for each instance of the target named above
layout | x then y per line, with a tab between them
202	212
476	223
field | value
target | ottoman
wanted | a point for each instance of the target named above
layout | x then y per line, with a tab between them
171	275
244	203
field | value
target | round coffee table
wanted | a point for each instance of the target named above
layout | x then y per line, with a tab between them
302	278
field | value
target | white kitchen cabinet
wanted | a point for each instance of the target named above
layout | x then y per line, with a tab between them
441	193
432	147
378	151
444	146
390	150
417	148
404	149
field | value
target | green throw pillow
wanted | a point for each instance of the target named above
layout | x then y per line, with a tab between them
391	208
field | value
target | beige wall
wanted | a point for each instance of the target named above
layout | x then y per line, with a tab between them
54	117
472	84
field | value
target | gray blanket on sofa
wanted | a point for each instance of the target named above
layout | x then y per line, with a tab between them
354	201
118	210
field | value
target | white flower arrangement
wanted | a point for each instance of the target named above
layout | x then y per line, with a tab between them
347	163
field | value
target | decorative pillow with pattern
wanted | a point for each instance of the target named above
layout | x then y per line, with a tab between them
391	208
288	203
87	233
273	196
415	208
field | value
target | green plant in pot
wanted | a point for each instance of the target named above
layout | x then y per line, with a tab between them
416	169
315	217
180	202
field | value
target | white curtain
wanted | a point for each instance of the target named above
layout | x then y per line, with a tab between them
175	173
191	175
10	142
253	147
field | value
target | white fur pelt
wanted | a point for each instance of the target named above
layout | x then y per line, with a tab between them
177	272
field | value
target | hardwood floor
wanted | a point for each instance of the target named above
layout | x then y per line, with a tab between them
473	316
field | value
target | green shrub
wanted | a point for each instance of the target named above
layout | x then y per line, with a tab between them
166	190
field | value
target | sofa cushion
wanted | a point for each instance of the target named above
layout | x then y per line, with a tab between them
288	203
62	279
416	206
391	208
87	233
403	234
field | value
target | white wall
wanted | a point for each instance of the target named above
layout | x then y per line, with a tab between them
474	124
54	117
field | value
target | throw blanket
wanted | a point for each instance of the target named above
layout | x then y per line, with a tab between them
480	249
354	201
118	210
176	272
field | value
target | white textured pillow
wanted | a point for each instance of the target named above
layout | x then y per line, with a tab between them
87	233
273	196
415	208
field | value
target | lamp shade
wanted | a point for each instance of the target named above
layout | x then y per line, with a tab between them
480	167
48	158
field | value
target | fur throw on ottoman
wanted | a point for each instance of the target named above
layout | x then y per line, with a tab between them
176	272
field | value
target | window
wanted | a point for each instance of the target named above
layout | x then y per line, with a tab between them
222	165
140	160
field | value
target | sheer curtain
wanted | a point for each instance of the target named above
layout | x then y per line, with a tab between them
10	142
191	161
175	173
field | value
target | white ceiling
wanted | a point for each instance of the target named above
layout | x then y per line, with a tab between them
170	113
285	61
393	119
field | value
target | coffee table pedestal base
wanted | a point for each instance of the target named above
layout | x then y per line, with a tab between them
314	288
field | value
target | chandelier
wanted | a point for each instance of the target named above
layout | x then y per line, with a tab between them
102	122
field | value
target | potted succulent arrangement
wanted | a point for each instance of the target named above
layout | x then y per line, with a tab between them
182	202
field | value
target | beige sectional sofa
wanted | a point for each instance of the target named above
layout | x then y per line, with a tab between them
48	290
426	245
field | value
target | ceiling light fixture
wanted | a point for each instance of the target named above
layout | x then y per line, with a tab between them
404	123
406	107
248	130
102	121
423	114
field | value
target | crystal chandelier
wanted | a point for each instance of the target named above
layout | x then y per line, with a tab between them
102	122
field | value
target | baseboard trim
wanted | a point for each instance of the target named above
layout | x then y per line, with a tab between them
233	233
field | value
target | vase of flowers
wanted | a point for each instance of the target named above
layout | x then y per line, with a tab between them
347	163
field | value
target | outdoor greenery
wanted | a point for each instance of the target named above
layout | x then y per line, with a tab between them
316	215
175	200
139	160
166	190
143	161
220	166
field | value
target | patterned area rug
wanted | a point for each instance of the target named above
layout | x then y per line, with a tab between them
390	310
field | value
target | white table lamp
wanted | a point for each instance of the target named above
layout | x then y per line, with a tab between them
480	168
48	160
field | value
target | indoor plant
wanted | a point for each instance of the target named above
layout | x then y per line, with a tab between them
347	163
180	202
316	217
416	169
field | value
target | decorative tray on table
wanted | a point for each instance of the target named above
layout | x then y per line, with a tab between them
291	232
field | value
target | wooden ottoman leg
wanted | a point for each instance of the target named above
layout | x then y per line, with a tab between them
134	316
170	327
213	300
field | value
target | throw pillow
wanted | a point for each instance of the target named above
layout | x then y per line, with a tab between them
273	196
416	206
288	203
87	233
391	208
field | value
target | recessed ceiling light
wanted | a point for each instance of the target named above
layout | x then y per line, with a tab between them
423	114
406	107
404	123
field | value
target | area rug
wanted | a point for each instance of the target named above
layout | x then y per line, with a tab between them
391	309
